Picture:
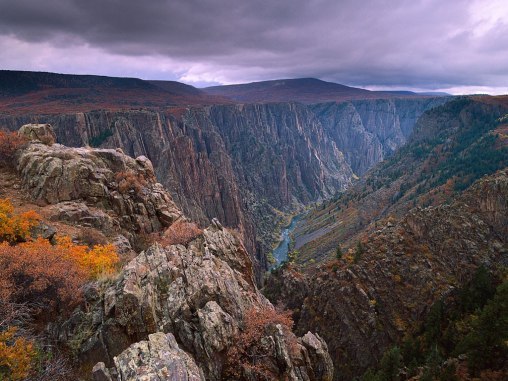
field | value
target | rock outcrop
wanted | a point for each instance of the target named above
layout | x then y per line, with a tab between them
158	358
363	307
38	132
197	293
101	188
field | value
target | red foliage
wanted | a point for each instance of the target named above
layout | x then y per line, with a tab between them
180	233
10	142
40	274
128	180
248	355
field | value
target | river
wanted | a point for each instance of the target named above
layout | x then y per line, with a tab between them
280	253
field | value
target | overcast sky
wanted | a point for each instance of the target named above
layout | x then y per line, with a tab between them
454	45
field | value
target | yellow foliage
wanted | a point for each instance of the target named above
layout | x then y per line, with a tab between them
14	227
100	260
16	355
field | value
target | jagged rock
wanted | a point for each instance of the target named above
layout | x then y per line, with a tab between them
199	293
38	132
158	358
100	372
83	185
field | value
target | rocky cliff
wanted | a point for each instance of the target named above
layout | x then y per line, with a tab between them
367	131
197	295
101	188
373	297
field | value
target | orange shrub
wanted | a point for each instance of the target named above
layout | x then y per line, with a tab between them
128	180
10	142
38	273
180	233
16	355
247	355
100	260
15	227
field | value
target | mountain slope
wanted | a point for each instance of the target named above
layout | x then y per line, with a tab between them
304	90
381	291
451	146
38	92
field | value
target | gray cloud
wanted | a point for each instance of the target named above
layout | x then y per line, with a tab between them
397	43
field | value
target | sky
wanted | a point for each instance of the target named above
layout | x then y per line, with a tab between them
457	46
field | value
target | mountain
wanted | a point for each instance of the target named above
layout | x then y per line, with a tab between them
401	285
38	92
304	90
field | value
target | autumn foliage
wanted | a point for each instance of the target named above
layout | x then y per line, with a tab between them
248	354
16	355
45	278
10	142
128	180
180	233
15	227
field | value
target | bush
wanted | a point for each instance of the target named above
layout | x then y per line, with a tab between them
180	233
15	227
16	355
10	142
40	274
128	180
247	355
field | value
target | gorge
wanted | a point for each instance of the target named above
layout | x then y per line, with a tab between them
247	163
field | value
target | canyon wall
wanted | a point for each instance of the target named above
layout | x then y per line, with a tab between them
244	163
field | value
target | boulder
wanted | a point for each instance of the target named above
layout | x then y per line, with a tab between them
38	132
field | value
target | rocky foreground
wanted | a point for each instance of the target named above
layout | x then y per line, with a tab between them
175	312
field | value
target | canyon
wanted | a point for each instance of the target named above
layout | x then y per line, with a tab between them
246	164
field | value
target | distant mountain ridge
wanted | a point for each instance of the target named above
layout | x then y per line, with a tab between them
50	93
304	90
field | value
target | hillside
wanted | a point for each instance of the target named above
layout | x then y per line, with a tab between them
304	90
450	147
24	92
379	293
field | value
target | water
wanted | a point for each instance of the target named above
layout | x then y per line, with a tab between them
281	252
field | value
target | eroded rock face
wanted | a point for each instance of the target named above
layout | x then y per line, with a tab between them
199	293
102	188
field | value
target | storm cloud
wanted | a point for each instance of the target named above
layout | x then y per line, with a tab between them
456	45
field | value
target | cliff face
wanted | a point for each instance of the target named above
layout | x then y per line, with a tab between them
363	306
367	131
239	163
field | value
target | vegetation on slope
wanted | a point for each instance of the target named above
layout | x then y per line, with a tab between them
452	146
463	336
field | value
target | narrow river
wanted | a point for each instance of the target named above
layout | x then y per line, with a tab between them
280	253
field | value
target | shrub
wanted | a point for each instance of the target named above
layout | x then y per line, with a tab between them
180	233
16	355
15	227
40	274
100	260
247	355
10	142
128	180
